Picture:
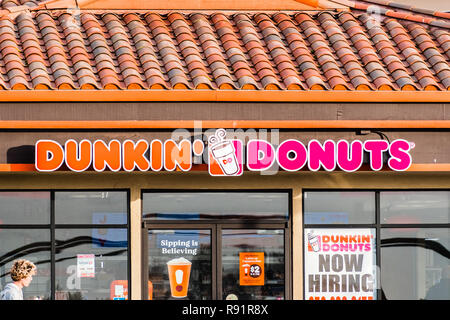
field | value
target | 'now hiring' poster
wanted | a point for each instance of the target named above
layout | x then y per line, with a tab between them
340	264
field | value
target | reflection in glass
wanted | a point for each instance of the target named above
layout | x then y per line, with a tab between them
215	205
91	207
269	242
88	261
179	263
415	263
410	207
25	207
339	207
33	245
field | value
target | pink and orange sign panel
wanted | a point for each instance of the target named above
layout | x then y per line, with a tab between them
225	157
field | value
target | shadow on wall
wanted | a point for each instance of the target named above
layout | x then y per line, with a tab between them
21	154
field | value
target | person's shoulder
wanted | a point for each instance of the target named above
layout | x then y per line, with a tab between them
6	288
11	287
10	292
4	293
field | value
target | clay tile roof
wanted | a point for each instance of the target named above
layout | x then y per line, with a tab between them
387	8
400	48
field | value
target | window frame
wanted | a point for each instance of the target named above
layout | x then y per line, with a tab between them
378	226
219	221
52	227
216	226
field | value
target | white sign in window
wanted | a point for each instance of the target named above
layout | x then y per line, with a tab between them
85	265
340	264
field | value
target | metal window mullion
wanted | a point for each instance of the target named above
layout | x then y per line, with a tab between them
144	263
214	261
340	226
52	247
128	227
218	267
288	247
90	226
417	225
25	226
287	264
378	242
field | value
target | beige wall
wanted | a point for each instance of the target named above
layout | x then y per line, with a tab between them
201	180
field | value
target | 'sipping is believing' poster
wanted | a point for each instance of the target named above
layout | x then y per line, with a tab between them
340	264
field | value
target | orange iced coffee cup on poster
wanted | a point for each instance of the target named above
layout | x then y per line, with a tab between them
179	273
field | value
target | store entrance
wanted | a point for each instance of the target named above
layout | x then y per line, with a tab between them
209	261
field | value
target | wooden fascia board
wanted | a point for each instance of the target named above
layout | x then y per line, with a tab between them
223	96
226	124
418	167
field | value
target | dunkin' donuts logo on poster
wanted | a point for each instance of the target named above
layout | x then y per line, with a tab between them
224	157
335	243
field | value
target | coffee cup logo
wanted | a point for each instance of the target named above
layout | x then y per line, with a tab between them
314	242
179	273
224	153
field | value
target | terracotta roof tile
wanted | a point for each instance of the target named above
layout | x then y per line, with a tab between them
387	8
298	50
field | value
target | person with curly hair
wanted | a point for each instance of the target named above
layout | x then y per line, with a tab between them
22	272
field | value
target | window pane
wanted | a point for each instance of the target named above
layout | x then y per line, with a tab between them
24	207
33	245
90	263
339	207
91	207
215	205
407	207
179	264
253	264
415	263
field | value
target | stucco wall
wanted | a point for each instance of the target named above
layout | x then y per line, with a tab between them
297	182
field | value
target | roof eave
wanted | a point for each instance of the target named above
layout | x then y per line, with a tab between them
224	96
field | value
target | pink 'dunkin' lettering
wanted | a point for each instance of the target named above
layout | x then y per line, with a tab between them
260	155
376	149
322	155
353	161
401	159
292	147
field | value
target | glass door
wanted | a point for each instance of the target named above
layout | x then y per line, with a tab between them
253	264
216	261
239	244
179	262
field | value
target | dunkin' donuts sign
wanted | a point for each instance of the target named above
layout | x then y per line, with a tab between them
226	157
